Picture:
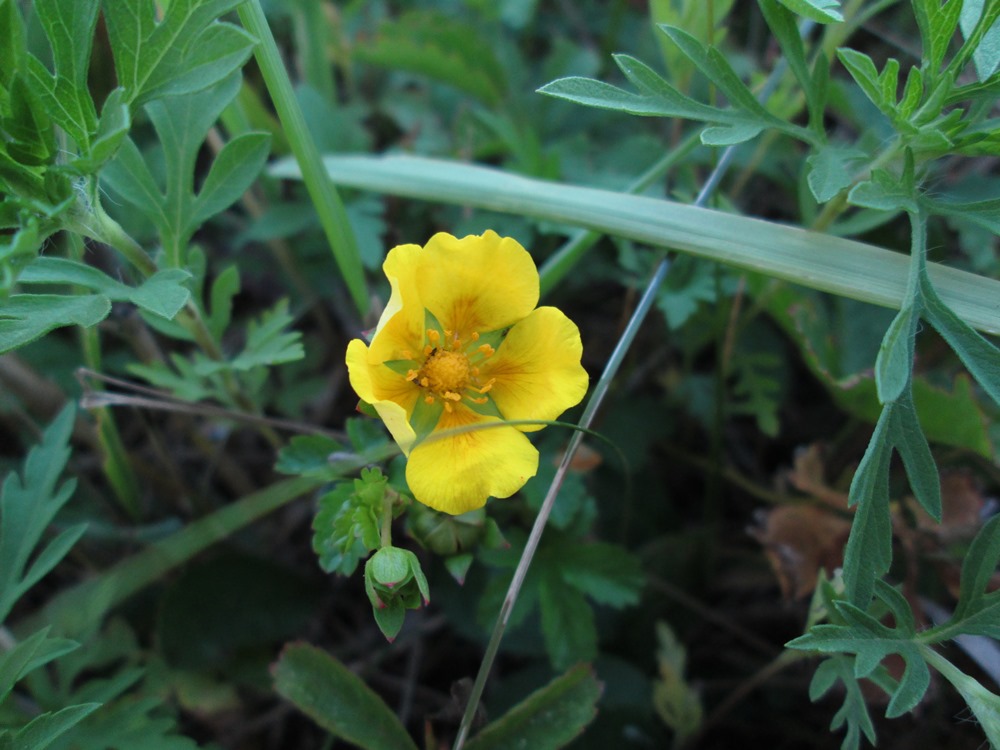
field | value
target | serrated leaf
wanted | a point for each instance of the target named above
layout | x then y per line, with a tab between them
885	191
15	663
26	317
548	719
832	169
307	455
820	11
337	699
189	50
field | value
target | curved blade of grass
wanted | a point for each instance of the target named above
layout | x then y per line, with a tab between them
77	609
329	207
831	264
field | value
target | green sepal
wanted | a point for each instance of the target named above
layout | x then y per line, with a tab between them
425	418
488	409
431	323
367	409
402	366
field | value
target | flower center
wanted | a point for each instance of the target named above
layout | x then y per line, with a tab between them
450	369
445	372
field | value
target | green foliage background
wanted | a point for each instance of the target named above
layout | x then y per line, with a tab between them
203	544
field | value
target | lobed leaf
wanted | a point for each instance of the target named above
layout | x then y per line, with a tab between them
26	317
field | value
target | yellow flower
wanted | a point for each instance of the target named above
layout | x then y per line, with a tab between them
461	343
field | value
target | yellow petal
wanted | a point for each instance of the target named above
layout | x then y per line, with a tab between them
477	283
537	368
401	327
392	395
456	473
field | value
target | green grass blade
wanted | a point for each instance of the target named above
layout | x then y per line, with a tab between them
831	264
329	207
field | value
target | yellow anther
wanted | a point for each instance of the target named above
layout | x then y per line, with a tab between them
475	335
487	350
474	371
433	336
427	350
424	382
428	399
411	375
488	386
451	396
447	406
480	400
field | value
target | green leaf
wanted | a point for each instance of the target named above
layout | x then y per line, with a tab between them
70	30
267	341
29	502
26	317
440	47
657	98
548	719
13	44
854	711
832	169
894	363
20	249
43	730
908	438
337	699
233	171
782	24
182	123
820	11
871	642
607	573
187	52
346	525
977	354
978	612
163	293
987	54
308	455
567	622
869	547
224	288
717	69
866	75
885	191
937	24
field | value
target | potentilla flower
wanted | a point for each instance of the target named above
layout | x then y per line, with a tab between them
459	344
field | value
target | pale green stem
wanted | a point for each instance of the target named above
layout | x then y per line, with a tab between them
329	207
